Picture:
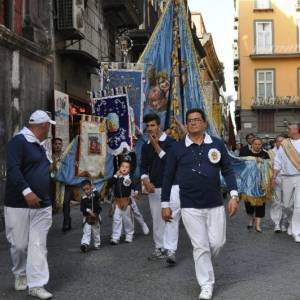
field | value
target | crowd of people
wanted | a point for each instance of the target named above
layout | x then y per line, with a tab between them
181	179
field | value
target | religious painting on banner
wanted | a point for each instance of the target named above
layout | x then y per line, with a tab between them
116	111
92	147
132	81
61	108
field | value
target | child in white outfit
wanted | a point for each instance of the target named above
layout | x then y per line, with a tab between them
90	208
122	189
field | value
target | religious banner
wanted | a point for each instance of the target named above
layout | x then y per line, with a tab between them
173	81
173	85
132	81
92	147
116	111
61	108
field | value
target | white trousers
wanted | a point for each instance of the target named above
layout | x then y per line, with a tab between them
26	231
207	231
157	222
172	228
277	212
291	201
137	214
122	218
89	232
295	182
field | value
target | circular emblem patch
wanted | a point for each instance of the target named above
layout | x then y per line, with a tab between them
127	182
214	155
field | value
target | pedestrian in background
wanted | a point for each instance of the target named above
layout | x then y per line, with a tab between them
287	164
57	188
256	211
28	207
277	213
246	150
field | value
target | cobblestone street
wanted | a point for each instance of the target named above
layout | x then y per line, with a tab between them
251	266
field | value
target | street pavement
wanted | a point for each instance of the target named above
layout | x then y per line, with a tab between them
251	266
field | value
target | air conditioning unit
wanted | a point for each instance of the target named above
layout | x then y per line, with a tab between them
70	18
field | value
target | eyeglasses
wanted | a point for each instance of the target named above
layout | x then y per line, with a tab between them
196	120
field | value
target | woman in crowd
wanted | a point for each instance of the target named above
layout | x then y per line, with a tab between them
256	212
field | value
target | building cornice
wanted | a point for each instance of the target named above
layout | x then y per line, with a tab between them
14	41
275	56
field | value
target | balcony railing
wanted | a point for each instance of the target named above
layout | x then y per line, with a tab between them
123	13
284	102
276	51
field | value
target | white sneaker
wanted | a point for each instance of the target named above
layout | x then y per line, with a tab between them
39	292
145	228
20	283
283	228
128	239
297	239
277	228
114	242
289	230
206	292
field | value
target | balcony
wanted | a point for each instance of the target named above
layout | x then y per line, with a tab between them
278	51
123	13
141	36
277	103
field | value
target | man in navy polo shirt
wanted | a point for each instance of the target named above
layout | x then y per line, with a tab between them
27	205
197	161
153	159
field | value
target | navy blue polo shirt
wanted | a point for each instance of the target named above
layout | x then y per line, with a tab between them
197	169
27	167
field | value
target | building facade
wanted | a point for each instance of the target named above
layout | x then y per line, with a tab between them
26	59
267	65
59	45
212	75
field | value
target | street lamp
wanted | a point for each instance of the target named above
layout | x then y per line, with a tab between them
125	44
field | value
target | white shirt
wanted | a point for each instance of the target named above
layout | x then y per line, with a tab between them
282	162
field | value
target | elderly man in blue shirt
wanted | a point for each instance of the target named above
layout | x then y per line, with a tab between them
27	205
197	161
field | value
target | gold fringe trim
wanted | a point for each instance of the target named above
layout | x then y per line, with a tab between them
255	201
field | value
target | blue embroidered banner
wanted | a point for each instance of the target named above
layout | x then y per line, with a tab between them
116	111
158	65
132	80
161	57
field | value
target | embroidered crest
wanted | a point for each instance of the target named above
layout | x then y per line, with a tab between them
127	182
214	155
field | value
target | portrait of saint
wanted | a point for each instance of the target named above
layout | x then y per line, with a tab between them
95	144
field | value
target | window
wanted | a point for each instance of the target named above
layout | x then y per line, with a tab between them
263	4
265	121
264	37
298	81
265	84
298	33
